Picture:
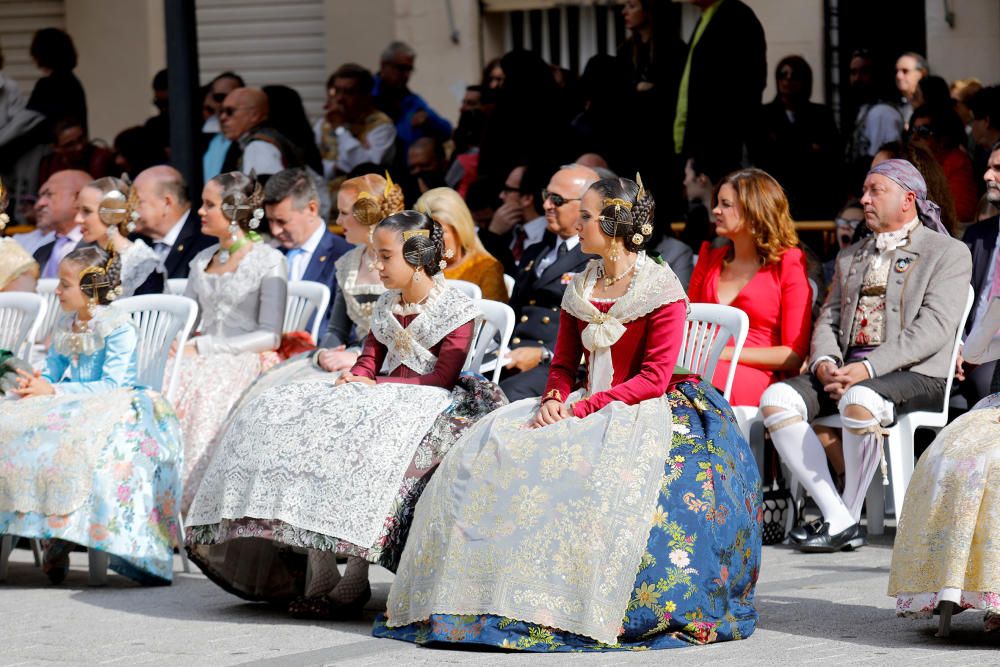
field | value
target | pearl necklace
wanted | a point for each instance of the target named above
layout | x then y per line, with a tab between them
609	281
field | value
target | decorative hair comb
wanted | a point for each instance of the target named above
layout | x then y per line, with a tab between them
415	232
617	203
642	189
389	185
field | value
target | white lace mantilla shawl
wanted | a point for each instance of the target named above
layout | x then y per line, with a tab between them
445	310
71	343
139	261
346	269
654	285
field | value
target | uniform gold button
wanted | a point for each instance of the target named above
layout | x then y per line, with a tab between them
541	342
524	318
515	341
546	319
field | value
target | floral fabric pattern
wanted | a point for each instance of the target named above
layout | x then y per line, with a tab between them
947	540
135	485
697	574
277	572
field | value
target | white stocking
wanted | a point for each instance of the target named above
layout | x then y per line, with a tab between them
803	453
324	573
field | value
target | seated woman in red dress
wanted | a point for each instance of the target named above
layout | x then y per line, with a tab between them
763	273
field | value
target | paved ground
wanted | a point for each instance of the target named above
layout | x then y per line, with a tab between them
815	609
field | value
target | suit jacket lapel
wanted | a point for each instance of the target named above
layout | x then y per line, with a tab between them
319	260
175	256
562	265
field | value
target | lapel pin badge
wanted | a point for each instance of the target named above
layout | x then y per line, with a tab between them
323	258
902	264
180	248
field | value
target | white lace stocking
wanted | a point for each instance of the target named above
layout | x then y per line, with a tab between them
353	583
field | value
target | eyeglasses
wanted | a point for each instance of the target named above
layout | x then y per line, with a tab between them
557	200
219	98
923	131
230	111
507	189
844	222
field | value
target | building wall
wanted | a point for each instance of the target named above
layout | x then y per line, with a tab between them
972	47
121	45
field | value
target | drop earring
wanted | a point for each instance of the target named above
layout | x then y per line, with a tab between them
615	253
416	275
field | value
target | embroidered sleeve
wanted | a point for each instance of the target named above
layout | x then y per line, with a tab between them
566	357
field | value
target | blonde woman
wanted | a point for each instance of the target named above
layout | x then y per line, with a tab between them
18	271
466	257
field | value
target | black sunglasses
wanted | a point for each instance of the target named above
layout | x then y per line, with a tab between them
219	98
557	200
922	131
508	189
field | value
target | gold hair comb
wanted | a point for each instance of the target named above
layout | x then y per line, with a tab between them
618	202
642	189
415	232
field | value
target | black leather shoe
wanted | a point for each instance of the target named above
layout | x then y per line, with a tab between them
823	542
804	531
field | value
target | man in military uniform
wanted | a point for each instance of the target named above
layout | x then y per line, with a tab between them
545	270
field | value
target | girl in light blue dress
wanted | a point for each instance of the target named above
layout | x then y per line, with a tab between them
87	456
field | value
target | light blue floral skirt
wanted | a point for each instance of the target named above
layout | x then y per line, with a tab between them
130	512
697	578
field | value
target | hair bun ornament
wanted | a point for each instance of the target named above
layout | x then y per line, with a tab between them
637	239
646	229
642	189
367	210
258	215
114	209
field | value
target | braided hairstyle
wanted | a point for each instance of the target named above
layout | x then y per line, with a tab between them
117	205
627	211
421	251
100	273
242	197
370	208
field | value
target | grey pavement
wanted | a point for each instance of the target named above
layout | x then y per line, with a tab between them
814	609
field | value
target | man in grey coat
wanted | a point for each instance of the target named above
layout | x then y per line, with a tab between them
882	346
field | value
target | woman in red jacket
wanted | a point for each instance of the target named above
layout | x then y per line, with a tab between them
763	273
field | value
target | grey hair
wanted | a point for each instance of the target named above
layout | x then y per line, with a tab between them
295	183
921	61
397	49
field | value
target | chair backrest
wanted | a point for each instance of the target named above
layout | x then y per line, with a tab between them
709	327
508	282
177	286
497	322
471	290
305	299
161	319
814	290
21	313
46	288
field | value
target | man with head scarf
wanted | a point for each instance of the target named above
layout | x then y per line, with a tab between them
881	347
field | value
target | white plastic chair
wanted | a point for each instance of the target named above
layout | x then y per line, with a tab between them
177	286
497	320
508	282
46	288
305	299
21	315
900	442
709	328
470	290
161	319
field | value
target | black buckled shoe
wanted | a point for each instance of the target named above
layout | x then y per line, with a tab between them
850	539
804	531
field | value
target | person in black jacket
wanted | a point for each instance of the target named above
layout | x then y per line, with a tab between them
797	142
165	216
58	94
722	81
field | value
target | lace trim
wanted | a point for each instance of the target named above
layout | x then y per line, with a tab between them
346	269
445	310
220	295
139	261
69	343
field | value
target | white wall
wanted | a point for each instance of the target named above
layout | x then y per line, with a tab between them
972	47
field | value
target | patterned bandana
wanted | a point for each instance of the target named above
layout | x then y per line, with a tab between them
907	177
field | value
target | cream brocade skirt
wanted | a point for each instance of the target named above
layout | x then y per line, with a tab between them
948	542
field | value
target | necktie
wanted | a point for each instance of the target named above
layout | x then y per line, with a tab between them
290	256
59	251
161	249
561	250
520	236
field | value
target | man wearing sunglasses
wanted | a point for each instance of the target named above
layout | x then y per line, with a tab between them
256	147
545	270
216	143
414	118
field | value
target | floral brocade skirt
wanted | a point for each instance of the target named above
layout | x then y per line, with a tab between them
698	571
948	540
129	502
261	556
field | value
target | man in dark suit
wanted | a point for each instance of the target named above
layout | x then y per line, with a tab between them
520	221
165	216
982	239
723	79
56	210
292	206
545	270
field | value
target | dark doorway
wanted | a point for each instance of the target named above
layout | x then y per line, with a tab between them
886	28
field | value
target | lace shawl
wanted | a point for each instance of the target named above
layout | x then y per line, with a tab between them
445	310
71	343
220	296
346	269
654	285
139	261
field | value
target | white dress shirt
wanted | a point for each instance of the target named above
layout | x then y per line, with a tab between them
534	230
300	262
262	157
163	246
552	255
